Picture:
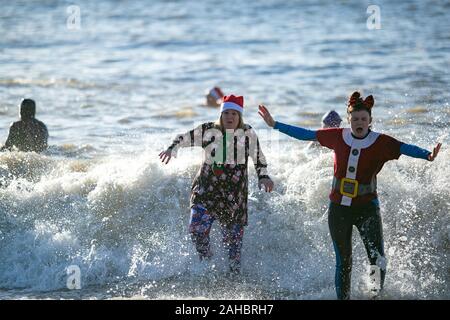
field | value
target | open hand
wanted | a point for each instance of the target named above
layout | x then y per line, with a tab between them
166	155
265	114
267	183
435	152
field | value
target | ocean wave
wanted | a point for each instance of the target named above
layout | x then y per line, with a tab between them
122	218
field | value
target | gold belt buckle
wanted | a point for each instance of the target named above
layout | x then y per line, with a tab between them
345	184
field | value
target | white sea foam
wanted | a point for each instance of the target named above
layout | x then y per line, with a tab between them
124	219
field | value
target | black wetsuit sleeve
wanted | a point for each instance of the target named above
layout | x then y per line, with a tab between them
44	136
13	137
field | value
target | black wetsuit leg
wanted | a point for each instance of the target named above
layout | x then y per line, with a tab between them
340	221
371	230
341	225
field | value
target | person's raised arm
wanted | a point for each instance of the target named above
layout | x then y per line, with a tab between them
12	138
295	132
189	139
435	152
265	114
417	152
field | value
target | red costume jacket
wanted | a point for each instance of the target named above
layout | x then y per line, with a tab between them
357	159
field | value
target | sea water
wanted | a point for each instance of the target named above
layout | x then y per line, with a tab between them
116	81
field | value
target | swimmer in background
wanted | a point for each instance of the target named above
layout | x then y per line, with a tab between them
28	134
214	97
331	119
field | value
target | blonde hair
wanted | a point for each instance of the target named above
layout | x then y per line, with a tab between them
241	124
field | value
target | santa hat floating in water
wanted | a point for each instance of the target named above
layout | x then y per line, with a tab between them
216	93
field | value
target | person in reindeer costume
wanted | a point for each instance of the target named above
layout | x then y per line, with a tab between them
359	155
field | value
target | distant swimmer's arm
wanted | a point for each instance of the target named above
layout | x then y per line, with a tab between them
45	136
417	152
12	137
295	132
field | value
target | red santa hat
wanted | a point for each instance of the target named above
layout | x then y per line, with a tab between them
216	93
232	102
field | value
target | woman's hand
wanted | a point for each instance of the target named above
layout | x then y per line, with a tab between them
267	183
435	152
265	114
166	155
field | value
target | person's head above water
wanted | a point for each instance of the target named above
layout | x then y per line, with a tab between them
27	109
359	113
331	119
231	111
214	97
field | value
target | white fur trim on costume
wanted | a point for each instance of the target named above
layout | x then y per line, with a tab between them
359	143
231	106
353	159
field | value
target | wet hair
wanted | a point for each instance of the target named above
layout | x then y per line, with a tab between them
27	109
356	103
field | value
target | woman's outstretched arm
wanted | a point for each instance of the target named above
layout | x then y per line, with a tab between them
189	139
417	152
295	132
